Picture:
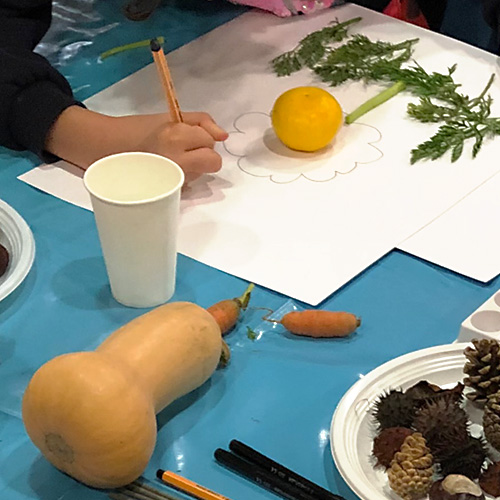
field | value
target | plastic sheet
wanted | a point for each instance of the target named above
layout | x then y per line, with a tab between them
75	24
285	8
279	392
81	30
259	331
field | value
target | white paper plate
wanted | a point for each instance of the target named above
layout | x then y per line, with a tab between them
17	238
352	428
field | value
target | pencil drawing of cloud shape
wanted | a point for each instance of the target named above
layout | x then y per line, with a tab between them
261	154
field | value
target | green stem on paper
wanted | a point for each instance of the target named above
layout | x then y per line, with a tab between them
129	46
372	103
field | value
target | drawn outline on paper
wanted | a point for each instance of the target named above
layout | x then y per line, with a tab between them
256	146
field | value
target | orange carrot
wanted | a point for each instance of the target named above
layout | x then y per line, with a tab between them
227	312
313	323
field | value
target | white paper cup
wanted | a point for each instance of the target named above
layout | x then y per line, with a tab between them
136	198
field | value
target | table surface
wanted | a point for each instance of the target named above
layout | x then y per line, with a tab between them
278	393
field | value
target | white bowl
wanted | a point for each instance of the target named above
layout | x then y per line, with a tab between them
17	238
352	429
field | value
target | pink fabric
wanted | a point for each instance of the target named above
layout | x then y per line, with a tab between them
285	8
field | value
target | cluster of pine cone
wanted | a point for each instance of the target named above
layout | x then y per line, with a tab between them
482	371
423	433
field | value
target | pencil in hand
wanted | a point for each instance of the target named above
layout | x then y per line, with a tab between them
166	79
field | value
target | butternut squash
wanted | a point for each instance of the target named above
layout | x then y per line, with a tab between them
93	414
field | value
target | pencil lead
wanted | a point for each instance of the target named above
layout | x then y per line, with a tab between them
154	44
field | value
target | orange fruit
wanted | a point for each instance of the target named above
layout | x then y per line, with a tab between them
306	118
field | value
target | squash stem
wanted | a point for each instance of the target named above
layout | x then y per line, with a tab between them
129	46
245	298
379	99
225	355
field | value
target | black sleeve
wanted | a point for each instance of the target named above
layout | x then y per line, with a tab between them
32	93
378	5
433	10
491	11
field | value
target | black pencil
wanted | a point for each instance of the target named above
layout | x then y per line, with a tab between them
281	471
259	476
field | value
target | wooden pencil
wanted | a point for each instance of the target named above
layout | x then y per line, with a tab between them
146	489
187	486
140	491
119	496
166	79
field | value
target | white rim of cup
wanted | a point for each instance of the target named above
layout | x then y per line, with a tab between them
137	202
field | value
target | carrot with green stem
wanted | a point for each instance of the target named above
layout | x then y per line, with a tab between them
227	312
320	324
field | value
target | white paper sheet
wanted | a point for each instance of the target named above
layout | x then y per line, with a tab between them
465	238
277	220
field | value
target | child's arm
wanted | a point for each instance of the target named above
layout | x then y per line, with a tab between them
82	136
38	112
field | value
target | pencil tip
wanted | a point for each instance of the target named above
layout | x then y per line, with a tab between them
159	473
154	44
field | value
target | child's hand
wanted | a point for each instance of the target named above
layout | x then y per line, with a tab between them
205	121
189	144
81	136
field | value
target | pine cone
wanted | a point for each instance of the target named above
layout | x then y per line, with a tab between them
410	474
444	425
483	369
394	409
424	391
491	420
490	480
387	443
467	461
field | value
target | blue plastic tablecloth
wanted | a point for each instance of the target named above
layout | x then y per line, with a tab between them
278	393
